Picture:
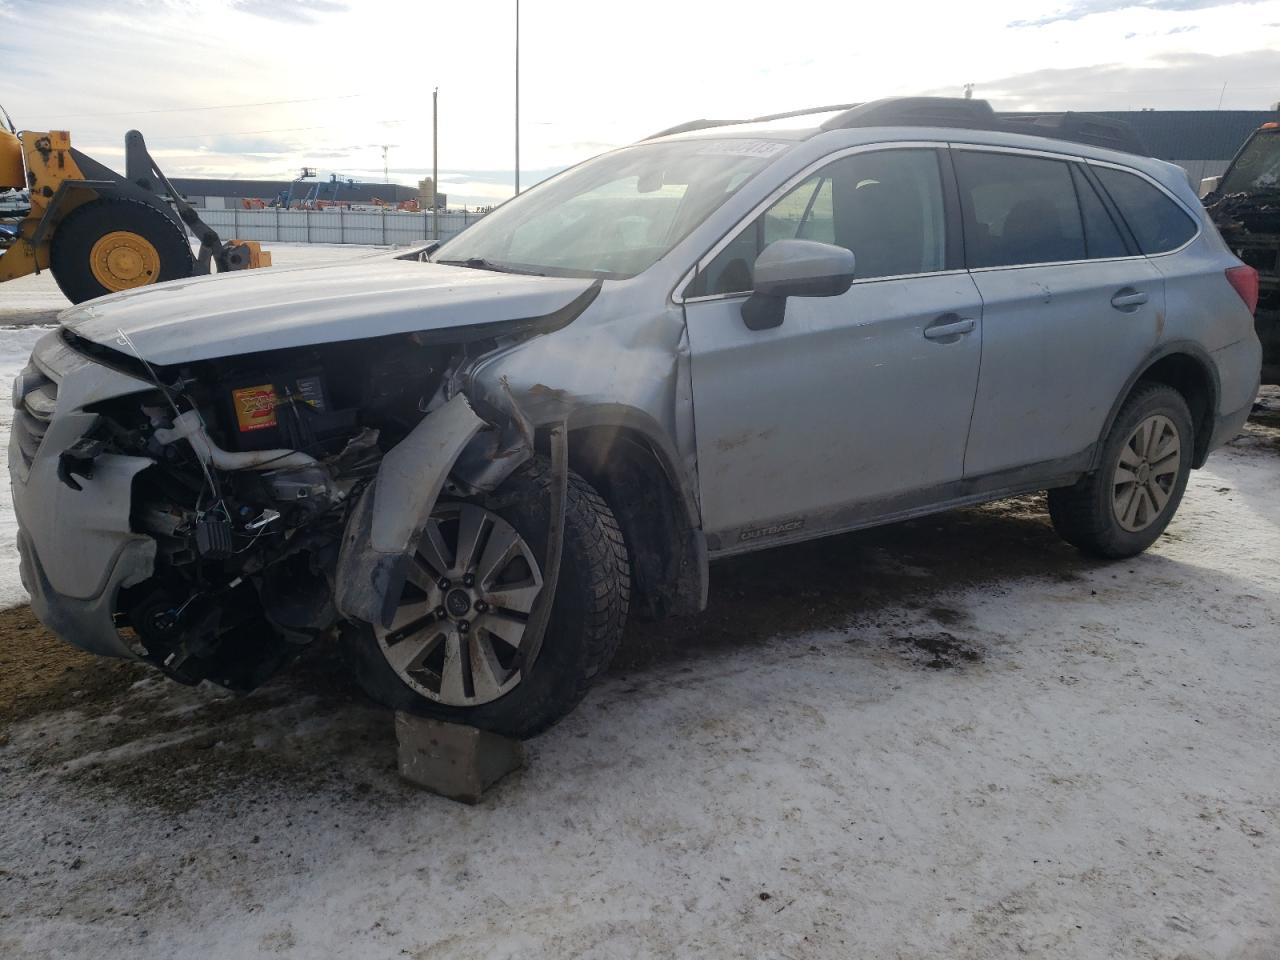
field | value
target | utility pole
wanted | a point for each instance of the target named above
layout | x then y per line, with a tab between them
435	169
386	178
517	97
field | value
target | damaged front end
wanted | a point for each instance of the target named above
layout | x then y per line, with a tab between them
250	503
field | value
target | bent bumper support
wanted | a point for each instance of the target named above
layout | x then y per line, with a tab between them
383	529
384	526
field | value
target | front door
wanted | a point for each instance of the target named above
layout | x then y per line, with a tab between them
854	405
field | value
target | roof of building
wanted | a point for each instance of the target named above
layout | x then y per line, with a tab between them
270	189
1193	134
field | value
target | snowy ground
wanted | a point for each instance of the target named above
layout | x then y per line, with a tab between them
948	738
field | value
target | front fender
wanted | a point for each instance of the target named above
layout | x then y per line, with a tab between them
383	528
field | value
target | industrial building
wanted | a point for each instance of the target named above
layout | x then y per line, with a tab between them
427	192
215	194
1202	142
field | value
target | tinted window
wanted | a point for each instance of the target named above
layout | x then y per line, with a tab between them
1102	238
1018	210
1157	222
885	206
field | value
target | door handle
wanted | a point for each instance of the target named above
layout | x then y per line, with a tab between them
1128	299
948	326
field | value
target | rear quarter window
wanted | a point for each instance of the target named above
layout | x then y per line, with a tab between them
1158	224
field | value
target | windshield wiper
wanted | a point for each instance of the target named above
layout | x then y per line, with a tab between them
480	263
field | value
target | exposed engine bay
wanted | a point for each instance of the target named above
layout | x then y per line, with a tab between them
258	462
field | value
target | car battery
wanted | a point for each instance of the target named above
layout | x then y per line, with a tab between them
289	411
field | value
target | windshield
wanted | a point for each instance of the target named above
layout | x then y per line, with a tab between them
613	216
1257	169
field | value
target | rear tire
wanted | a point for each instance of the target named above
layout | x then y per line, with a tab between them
116	244
1123	507
587	617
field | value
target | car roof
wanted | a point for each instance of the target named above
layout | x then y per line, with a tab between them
926	112
945	120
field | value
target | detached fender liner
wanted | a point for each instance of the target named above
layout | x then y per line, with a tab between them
382	530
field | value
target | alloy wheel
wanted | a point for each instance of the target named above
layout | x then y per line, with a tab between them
1146	473
458	633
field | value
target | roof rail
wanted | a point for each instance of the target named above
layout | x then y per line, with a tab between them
917	112
801	113
1075	127
691	125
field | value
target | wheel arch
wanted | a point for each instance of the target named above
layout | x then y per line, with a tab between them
1186	367
625	455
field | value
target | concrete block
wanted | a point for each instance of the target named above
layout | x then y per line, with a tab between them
453	760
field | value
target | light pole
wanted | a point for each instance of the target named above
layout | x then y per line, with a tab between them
435	170
517	97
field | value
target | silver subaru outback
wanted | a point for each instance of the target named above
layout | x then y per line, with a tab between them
473	460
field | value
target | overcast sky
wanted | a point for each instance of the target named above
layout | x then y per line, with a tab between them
259	88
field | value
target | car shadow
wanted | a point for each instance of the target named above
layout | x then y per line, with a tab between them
824	583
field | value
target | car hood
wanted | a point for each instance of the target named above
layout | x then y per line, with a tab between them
255	310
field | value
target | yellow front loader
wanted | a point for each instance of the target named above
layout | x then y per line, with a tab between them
97	231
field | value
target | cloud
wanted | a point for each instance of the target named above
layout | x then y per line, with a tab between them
291	11
242	146
1174	81
1079	9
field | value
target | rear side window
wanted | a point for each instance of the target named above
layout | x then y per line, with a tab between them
1018	210
1102	237
1158	224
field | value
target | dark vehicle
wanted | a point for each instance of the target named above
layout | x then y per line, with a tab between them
1245	205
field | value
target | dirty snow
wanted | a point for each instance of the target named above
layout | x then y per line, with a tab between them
948	738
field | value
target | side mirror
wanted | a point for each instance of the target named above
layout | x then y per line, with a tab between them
795	268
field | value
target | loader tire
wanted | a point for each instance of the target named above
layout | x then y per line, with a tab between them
116	244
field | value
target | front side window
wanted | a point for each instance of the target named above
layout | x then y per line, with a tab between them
1017	209
885	206
1158	224
614	216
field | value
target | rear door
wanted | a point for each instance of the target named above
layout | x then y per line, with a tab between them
1070	309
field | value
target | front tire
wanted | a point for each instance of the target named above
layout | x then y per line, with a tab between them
1123	507
466	666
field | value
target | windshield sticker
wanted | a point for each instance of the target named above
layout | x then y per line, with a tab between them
744	148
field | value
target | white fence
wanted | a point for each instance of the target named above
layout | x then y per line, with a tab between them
334	225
